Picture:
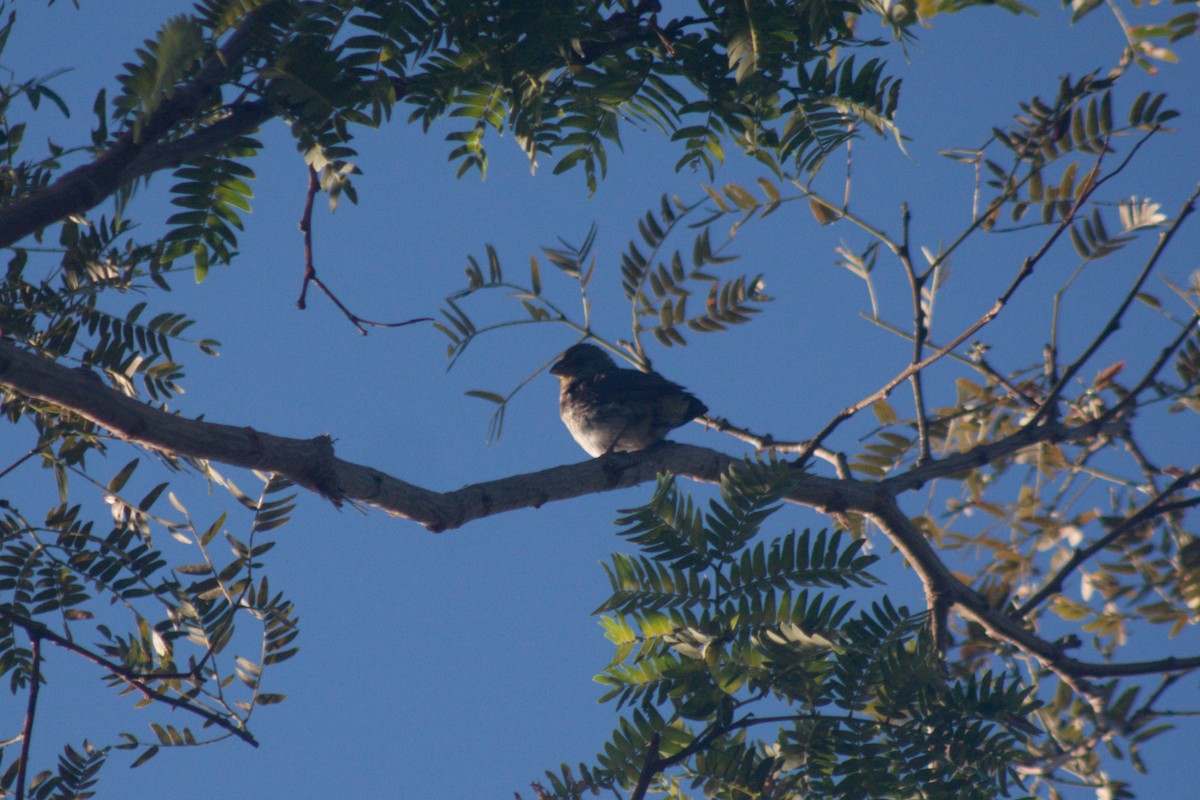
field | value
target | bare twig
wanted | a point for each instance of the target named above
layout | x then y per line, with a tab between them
1027	267
35	682
765	442
1114	323
20	461
310	271
1130	398
916	283
976	362
1150	472
1147	709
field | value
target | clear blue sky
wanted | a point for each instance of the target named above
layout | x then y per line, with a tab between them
460	665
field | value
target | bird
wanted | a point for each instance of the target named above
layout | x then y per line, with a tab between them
608	409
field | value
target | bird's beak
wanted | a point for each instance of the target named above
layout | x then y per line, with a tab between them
560	367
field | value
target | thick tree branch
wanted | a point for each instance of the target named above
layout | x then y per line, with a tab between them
306	462
311	463
941	583
133	156
240	120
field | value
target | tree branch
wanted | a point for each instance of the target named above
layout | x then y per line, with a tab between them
35	683
306	462
1114	323
992	452
38	631
1150	510
764	442
975	360
240	120
941	583
133	156
312	464
310	270
650	768
1147	379
1027	267
917	283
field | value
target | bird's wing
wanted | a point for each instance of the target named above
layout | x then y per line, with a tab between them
637	386
650	391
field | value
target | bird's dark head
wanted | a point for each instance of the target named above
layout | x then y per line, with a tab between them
582	361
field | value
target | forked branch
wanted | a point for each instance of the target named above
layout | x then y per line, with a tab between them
310	270
38	632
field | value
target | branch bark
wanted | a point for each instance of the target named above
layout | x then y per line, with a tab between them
311	462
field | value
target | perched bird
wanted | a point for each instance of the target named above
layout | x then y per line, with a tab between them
609	410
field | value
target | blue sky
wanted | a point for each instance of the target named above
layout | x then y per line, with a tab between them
460	665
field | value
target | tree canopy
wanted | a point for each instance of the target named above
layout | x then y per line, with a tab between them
998	560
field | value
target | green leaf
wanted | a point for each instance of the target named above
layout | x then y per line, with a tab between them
147	754
118	481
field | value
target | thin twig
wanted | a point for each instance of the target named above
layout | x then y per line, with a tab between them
916	284
1147	709
1150	472
1114	322
125	675
1143	384
310	271
764	442
20	461
35	646
1027	267
1154	508
976	362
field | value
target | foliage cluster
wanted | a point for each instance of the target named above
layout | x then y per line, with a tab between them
720	637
